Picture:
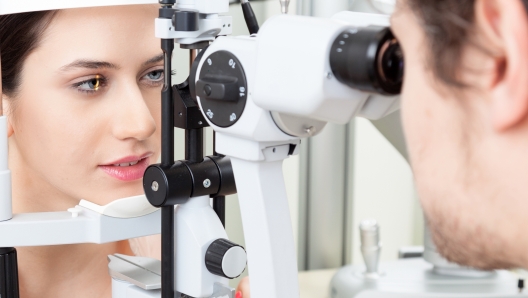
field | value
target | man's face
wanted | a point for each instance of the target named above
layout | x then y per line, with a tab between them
467	190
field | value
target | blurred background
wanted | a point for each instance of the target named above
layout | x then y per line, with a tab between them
346	174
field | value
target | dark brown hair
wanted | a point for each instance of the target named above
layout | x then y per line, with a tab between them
448	25
19	36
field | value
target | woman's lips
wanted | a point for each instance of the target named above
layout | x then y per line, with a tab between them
127	171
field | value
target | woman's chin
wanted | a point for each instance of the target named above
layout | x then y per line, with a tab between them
133	189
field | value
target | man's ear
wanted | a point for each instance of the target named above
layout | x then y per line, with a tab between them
504	25
7	109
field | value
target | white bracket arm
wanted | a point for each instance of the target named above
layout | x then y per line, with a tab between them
80	225
210	26
5	174
267	225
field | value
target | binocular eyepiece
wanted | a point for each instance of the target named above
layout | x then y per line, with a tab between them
368	59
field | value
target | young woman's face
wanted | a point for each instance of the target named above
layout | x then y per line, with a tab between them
87	116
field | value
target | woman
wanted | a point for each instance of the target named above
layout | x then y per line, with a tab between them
465	114
81	90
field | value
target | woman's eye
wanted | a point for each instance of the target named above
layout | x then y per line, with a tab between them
91	85
154	77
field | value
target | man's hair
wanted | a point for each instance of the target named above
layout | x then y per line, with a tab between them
447	25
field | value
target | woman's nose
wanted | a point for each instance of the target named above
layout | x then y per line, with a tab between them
133	119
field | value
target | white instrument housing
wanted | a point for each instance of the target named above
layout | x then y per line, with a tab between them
210	26
196	227
287	70
210	23
293	74
204	6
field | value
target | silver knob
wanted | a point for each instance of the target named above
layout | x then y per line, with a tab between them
284	6
370	245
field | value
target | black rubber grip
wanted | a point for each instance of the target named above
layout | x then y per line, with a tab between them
8	273
251	19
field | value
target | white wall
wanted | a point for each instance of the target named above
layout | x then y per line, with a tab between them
384	191
383	187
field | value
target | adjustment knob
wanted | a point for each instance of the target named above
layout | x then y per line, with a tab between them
185	21
225	258
223	88
370	245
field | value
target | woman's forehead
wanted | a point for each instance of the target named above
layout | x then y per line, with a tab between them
121	36
11	7
103	23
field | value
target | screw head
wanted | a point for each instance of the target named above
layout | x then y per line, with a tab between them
155	186
207	183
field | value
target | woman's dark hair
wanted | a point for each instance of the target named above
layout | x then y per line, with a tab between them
448	25
20	34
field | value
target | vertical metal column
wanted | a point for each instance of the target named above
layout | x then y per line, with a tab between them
167	159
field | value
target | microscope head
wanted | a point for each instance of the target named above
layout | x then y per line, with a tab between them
327	69
299	73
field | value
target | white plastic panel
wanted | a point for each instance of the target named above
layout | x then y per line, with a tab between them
80	225
5	174
293	74
123	208
123	289
205	6
267	228
196	227
17	6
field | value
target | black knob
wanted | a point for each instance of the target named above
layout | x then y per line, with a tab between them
185	20
167	185
8	273
223	88
208	90
225	258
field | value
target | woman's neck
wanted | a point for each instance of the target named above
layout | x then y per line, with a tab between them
31	191
59	271
65	271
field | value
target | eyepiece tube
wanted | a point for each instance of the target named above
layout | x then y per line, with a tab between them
368	59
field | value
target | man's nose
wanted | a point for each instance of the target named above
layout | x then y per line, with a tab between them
133	119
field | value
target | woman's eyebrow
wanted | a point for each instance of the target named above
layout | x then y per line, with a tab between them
153	60
91	64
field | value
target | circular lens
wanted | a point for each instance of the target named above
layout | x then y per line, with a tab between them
368	59
390	62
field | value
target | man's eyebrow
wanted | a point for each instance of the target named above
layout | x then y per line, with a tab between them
91	64
154	60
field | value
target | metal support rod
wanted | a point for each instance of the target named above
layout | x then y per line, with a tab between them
193	54
167	107
9	287
167	252
194	137
167	159
194	145
219	203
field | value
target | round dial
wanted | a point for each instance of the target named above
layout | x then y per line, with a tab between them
222	88
225	258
